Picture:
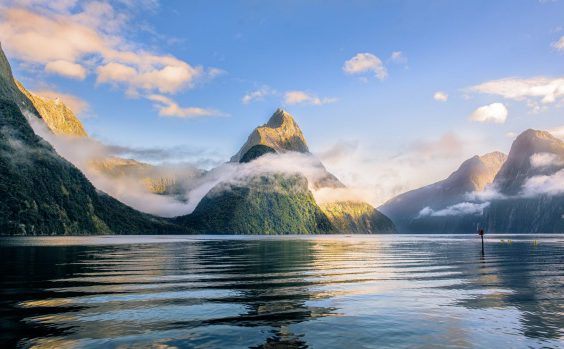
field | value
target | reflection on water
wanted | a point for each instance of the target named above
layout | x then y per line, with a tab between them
282	292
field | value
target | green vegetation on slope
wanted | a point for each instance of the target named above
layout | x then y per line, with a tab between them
269	204
43	194
357	218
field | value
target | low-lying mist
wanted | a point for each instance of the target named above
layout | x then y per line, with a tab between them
190	183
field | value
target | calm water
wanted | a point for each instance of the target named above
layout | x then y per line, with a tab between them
282	292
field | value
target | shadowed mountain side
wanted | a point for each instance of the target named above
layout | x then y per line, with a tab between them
472	176
520	166
42	193
531	187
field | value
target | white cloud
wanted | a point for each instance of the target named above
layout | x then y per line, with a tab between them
257	95
398	57
544	185
546	160
74	39
494	113
537	92
67	69
366	62
302	97
169	108
559	44
440	96
460	209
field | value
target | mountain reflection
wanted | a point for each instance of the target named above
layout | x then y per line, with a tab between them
282	292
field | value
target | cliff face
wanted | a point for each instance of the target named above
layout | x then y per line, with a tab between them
531	186
473	175
357	218
58	117
281	133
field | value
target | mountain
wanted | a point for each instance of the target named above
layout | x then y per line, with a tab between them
473	175
267	204
520	166
520	193
42	193
281	203
280	134
61	120
529	187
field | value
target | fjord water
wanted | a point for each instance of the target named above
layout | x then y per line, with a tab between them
287	291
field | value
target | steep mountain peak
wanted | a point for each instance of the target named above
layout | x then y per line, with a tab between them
477	172
5	70
279	118
281	133
517	169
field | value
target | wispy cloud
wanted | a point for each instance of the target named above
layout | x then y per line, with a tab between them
541	160
491	113
460	209
302	97
559	44
366	62
257	95
544	185
67	69
440	96
398	57
169	108
537	92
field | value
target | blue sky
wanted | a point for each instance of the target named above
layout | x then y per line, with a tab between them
235	48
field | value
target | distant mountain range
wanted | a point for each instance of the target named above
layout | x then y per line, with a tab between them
519	193
269	186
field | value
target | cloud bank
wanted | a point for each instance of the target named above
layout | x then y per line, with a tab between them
460	209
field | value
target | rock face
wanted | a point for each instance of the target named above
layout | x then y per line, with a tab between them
531	187
520	164
473	175
42	193
281	133
58	117
278	202
357	218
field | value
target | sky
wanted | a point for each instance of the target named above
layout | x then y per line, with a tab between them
391	95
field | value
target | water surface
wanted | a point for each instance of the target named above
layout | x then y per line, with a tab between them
282	292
